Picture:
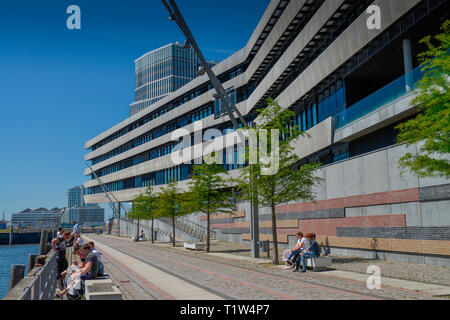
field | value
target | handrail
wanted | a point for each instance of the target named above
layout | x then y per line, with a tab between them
43	286
189	227
181	223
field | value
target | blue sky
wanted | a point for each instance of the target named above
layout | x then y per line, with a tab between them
60	88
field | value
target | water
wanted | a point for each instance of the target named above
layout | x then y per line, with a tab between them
17	254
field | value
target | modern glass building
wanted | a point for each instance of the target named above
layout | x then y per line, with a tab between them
86	214
349	86
92	216
75	197
162	71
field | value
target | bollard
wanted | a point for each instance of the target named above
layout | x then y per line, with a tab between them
31	262
43	243
17	274
11	235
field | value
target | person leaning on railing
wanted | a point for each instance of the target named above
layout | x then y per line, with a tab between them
59	246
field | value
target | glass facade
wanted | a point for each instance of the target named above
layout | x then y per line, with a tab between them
329	98
75	197
161	72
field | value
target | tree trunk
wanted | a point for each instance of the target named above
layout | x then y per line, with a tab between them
153	241
207	236
137	232
274	235
173	231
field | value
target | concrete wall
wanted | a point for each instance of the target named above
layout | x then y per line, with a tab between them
366	207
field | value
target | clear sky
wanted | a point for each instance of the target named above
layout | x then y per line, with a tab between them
60	88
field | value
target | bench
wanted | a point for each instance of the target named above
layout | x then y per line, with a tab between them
319	263
103	289
194	246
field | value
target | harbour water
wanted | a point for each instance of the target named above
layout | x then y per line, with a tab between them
17	254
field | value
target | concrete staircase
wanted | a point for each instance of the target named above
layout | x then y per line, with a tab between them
195	231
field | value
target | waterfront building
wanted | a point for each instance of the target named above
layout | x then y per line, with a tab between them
162	71
349	87
86	214
37	218
91	216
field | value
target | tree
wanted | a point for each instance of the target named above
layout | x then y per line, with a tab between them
144	209
170	203
285	184
209	193
432	124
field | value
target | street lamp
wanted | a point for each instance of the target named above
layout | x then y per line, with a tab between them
228	104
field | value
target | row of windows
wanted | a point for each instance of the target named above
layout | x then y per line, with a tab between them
178	51
180	122
326	99
170	106
160	88
347	15
177	173
232	159
294	29
166	68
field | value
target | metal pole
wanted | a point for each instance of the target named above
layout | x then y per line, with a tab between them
408	63
118	221
226	101
11	236
176	15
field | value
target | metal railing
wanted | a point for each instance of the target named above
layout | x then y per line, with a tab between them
189	227
43	286
380	98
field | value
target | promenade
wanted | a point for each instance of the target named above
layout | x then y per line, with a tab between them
145	271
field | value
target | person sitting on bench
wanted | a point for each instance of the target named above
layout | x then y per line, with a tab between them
302	244
142	236
312	252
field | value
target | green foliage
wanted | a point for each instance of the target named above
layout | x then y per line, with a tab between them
144	206
170	202
209	192
287	184
432	125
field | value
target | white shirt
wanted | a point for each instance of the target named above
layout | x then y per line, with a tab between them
306	243
97	253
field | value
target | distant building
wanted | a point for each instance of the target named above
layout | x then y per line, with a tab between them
75	197
85	216
37	218
161	72
88	215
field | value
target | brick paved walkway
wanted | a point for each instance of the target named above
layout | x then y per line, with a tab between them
400	270
236	279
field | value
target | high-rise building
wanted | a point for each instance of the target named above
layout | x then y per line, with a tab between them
75	197
86	214
349	86
162	71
